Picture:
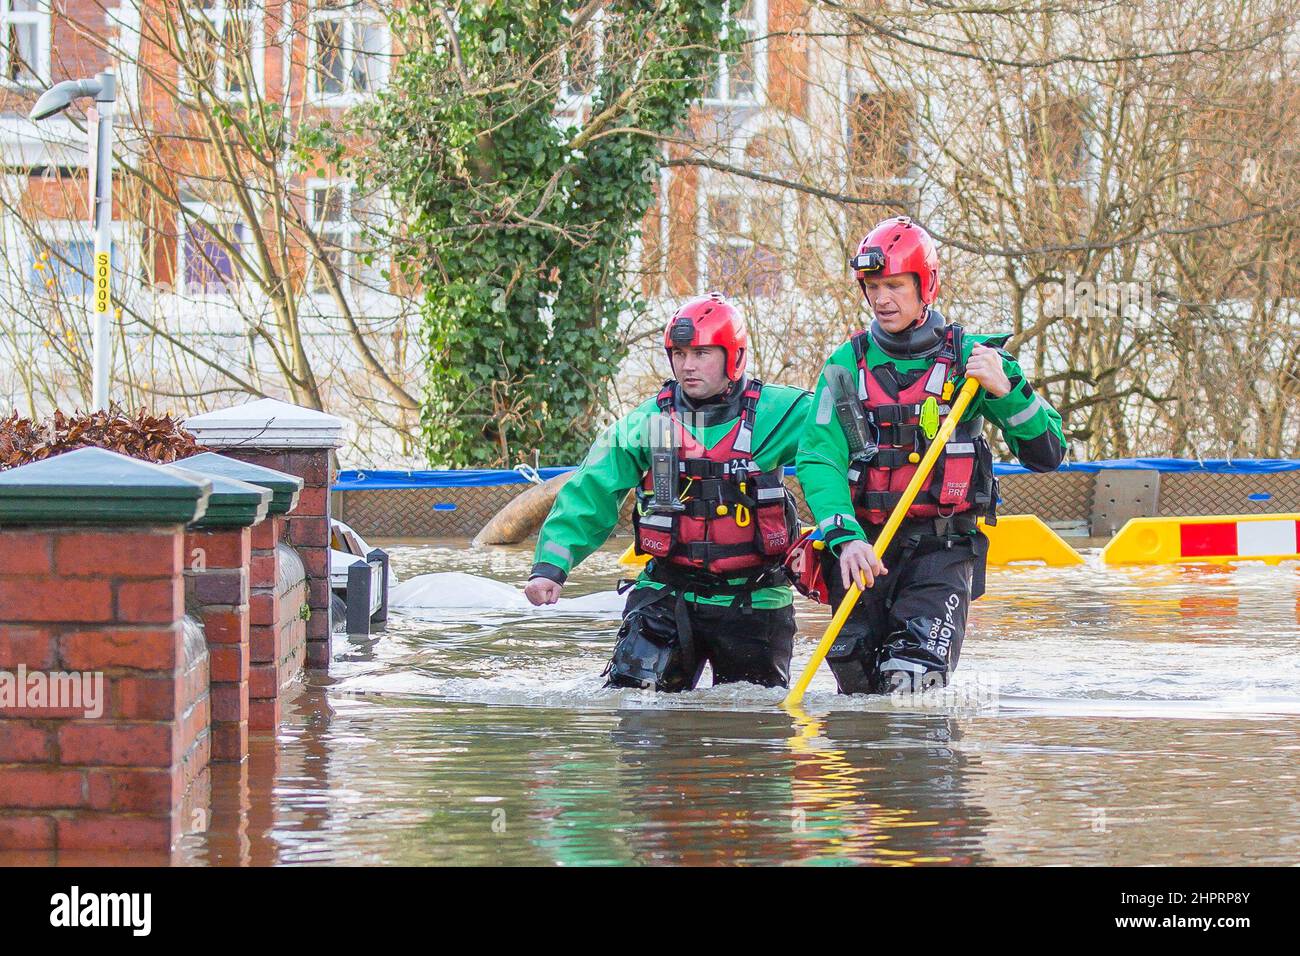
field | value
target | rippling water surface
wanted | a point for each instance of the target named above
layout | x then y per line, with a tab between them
1099	716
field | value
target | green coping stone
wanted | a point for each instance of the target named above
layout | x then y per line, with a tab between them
232	504
95	486
284	488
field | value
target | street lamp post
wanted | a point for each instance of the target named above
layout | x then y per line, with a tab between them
103	87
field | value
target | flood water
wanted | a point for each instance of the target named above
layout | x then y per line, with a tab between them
1099	716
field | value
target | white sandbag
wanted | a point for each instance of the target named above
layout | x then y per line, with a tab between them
456	589
600	604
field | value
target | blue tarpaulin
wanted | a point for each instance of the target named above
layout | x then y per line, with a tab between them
367	479
375	479
1213	466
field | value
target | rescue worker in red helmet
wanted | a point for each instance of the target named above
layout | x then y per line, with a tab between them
880	398
706	456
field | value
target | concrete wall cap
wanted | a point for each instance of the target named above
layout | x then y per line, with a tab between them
97	486
267	423
232	503
284	487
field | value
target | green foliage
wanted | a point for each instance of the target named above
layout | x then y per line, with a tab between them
517	225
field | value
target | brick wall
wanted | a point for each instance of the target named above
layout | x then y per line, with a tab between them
109	602
278	629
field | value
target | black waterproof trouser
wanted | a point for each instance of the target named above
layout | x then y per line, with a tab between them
906	631
665	641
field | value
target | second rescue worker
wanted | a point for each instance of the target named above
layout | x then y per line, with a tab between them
879	402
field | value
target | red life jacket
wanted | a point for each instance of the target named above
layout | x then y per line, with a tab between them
962	478
737	518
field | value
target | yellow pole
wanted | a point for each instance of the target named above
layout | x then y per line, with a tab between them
921	476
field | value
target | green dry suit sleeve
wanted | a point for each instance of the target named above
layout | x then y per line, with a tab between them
1031	427
782	416
586	509
823	461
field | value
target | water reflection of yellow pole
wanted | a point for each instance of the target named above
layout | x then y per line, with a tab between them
825	783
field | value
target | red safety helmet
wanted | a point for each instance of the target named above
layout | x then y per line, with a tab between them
894	247
710	320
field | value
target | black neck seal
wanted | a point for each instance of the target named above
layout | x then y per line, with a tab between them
715	409
918	342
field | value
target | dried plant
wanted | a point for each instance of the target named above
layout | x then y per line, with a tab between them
156	438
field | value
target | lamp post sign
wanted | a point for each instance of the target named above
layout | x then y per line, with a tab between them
103	256
103	87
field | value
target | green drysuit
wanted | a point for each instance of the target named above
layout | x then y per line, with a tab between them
1032	429
586	509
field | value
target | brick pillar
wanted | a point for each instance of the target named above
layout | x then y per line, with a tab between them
91	593
216	586
308	531
217	550
297	441
276	653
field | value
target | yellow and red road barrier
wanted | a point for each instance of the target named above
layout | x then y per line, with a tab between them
1206	539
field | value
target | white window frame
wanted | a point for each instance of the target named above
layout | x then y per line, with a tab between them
709	236
352	229
756	29
350	16
250	10
219	218
41	18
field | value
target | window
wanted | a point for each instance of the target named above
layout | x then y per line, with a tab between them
25	54
206	265
349	45
339	216
737	77
882	149
69	260
223	44
882	136
740	247
1055	142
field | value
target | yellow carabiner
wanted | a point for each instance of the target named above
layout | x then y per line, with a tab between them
742	513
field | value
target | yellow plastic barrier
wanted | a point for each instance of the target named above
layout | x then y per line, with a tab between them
1205	539
1026	538
633	560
